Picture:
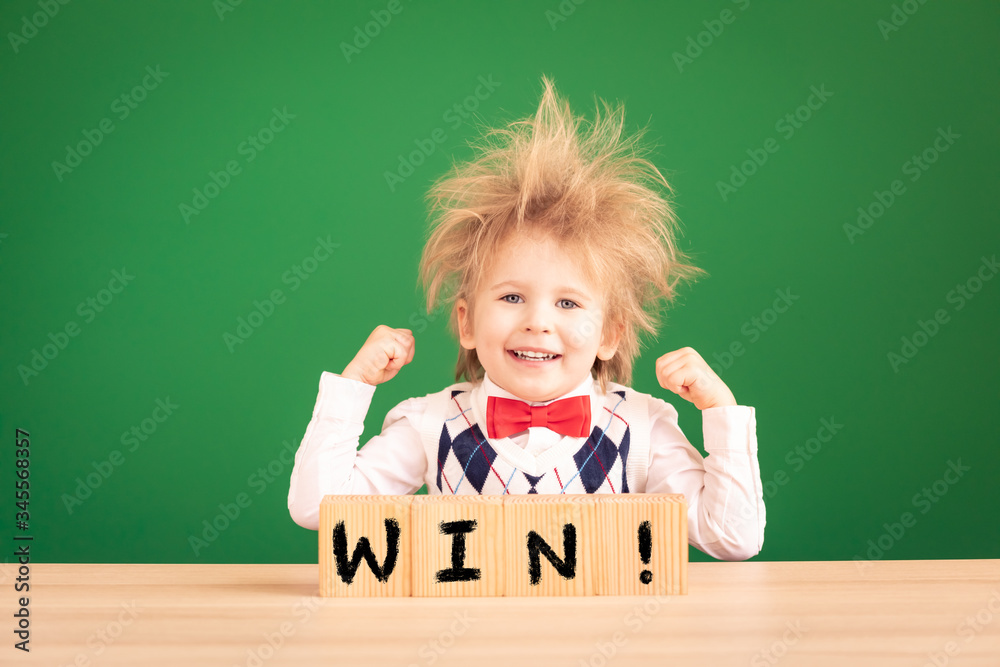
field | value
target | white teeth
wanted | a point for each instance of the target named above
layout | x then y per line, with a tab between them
538	356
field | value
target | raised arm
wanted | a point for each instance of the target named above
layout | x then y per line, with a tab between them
328	461
724	493
723	490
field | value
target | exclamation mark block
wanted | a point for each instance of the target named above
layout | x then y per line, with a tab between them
549	543
365	546
645	550
458	542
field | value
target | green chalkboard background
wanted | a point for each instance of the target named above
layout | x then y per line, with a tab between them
712	81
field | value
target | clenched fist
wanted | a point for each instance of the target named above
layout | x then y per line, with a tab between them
686	374
383	354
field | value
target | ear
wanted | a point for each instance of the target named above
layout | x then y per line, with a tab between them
464	324
609	344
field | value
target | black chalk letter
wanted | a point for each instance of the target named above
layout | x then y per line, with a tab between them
457	572
363	549
645	549
538	545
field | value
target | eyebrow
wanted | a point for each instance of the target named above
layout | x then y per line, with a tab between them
565	290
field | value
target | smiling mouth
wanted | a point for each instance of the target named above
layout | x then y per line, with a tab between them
533	360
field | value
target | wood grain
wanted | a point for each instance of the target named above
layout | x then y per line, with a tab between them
432	550
891	613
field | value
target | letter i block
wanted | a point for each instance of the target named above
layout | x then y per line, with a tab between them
549	540
365	546
644	550
457	545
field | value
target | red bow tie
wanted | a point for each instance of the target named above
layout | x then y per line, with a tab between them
569	416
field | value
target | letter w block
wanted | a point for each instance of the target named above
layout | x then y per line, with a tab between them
365	546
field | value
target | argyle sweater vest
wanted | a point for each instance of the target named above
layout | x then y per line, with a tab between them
461	460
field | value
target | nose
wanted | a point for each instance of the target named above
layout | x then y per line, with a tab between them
537	319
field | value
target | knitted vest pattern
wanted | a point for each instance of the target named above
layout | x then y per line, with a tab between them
461	460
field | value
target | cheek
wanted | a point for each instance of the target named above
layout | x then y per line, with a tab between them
583	334
492	328
497	322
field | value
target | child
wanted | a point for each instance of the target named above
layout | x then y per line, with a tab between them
553	247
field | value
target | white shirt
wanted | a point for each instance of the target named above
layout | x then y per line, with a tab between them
726	514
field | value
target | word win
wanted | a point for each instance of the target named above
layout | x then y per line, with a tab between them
502	545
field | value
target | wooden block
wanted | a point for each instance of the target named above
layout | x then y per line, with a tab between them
641	544
365	546
458	546
548	544
521	545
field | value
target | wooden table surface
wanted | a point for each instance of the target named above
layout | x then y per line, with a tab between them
914	613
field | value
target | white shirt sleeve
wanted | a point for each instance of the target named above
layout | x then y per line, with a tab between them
723	490
328	461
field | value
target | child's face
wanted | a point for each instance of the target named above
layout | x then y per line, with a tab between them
537	309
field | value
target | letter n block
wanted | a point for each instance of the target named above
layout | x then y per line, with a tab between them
365	546
645	546
457	545
548	544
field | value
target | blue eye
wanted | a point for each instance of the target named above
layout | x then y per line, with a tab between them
516	296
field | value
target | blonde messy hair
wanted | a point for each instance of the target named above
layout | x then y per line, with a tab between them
591	193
